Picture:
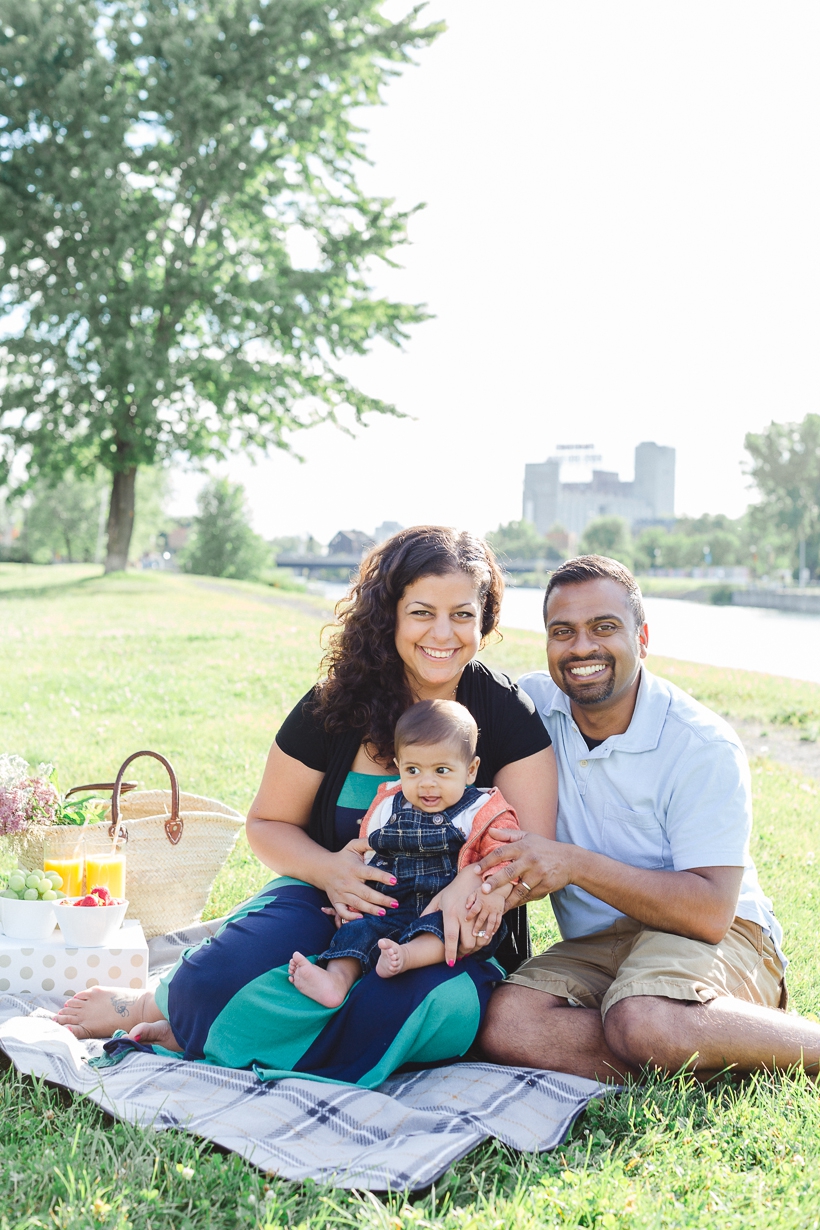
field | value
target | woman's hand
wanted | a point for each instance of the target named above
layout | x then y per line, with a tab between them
460	903
345	878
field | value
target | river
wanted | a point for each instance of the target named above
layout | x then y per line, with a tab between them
749	638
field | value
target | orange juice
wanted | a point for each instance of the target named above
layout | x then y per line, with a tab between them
106	869
71	869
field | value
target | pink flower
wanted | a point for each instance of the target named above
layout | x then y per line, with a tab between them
43	801
13	817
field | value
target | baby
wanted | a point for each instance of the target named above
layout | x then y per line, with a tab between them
423	829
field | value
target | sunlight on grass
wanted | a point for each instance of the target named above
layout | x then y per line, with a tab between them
93	668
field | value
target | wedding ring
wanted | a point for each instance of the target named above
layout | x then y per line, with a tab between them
481	935
524	884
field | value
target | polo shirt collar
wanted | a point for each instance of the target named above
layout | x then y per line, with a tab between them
644	731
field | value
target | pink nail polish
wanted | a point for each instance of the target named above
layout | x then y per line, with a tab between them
393	880
451	964
382	913
394	905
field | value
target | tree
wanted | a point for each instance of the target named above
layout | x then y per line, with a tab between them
520	540
607	536
63	520
785	468
157	160
222	543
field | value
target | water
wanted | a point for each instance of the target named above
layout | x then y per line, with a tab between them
748	638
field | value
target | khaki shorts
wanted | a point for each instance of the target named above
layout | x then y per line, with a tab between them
628	958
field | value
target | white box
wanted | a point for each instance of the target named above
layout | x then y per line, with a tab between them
31	967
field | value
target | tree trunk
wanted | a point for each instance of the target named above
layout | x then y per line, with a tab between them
121	519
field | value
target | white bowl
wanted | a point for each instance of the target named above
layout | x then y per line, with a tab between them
89	926
27	920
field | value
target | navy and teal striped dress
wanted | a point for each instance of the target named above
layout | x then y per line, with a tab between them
229	1001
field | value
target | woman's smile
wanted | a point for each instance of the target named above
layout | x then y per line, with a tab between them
438	631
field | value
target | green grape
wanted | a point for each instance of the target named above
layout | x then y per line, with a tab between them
56	878
16	881
49	896
32	879
9	894
31	894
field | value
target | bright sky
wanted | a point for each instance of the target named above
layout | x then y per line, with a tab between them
620	244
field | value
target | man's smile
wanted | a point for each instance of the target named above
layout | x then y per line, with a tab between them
594	668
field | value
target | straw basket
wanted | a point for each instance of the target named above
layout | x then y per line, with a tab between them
176	844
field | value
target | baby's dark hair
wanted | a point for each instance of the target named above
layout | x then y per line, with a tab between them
437	721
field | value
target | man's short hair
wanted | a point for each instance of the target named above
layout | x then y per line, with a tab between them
592	568
437	721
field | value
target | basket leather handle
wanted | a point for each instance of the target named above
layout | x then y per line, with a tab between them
173	824
124	787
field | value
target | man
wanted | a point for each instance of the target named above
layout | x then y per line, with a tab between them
670	953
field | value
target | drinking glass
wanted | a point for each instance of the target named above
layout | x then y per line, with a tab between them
104	863
63	853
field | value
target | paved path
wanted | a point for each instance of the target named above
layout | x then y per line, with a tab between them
780	743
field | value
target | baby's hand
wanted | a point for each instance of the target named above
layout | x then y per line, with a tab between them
490	915
341	914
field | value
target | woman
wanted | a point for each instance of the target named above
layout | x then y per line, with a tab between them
423	604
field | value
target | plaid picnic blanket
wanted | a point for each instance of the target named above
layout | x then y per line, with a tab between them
403	1135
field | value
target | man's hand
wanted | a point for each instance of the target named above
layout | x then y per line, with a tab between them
698	902
535	866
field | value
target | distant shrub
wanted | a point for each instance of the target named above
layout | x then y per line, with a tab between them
222	543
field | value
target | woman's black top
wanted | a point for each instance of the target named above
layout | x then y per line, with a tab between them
509	729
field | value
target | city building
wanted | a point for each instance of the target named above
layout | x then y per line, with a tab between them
566	490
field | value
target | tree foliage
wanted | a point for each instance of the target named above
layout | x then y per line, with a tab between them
607	536
785	468
62	521
156	161
222	543
521	540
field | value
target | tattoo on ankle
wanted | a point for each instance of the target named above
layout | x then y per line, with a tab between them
120	1005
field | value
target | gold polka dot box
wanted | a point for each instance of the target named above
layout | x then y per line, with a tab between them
37	966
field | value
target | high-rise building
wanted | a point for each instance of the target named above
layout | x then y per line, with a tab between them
551	501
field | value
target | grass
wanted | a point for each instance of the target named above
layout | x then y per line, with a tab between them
92	668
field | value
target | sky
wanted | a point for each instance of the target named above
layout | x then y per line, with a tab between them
619	244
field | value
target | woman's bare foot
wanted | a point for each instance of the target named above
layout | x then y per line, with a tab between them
328	987
100	1011
393	959
157	1033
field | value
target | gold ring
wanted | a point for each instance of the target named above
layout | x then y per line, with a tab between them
524	884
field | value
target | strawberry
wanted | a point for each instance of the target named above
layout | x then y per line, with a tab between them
102	892
89	900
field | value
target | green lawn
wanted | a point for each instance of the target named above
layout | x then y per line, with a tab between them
93	668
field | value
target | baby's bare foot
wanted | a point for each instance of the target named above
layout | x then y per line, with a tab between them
392	960
316	983
101	1011
157	1033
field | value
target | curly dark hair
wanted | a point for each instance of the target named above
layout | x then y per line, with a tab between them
365	687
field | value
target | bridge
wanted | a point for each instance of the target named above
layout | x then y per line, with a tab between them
313	563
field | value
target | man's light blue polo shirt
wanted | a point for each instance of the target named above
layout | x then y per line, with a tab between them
670	793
